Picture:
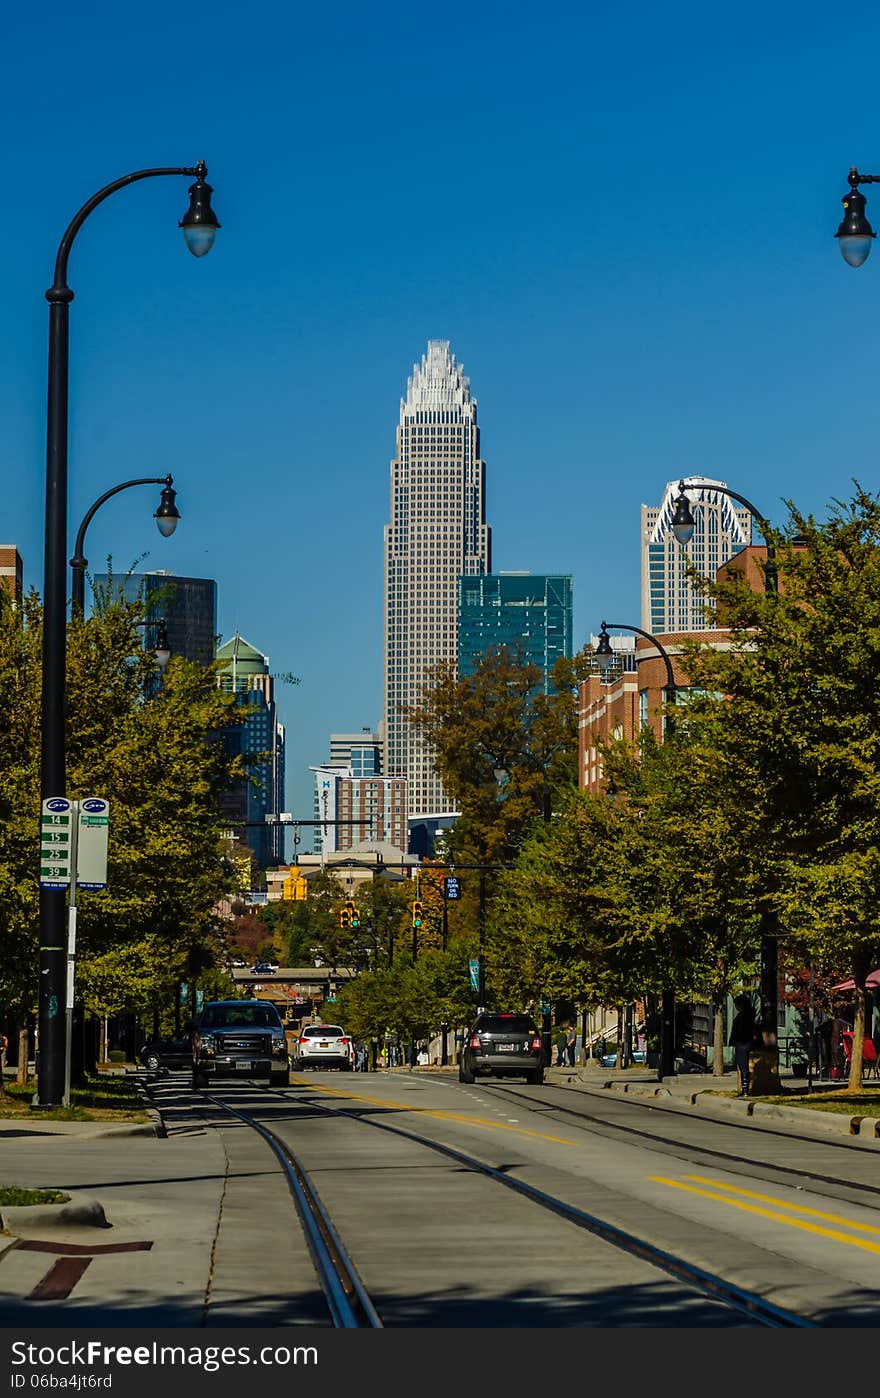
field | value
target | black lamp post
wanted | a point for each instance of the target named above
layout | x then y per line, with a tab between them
683	529
199	226
855	232
605	657
167	517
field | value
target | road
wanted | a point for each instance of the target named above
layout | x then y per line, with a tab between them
716	1224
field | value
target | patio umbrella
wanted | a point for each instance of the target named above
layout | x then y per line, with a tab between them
872	982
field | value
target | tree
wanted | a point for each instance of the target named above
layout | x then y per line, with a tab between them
156	754
802	718
505	749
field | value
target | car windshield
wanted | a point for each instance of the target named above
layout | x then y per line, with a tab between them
323	1031
505	1024
245	1015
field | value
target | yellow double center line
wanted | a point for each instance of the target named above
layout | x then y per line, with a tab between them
431	1112
755	1208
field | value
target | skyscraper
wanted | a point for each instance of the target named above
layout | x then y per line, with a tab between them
187	605
529	613
722	528
244	672
437	534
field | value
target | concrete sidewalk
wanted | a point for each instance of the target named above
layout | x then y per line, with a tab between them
201	1229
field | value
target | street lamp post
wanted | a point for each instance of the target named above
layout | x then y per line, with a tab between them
855	232
167	517
605	657
199	225
683	529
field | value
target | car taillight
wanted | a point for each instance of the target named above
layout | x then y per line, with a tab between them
475	1041
304	1041
536	1042
343	1041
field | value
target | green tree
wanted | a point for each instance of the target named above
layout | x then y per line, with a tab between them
155	752
802	718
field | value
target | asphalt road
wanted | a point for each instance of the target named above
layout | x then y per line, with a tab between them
435	1242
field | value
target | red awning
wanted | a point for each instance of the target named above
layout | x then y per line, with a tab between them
872	982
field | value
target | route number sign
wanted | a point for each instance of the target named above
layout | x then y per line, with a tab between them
56	828
91	850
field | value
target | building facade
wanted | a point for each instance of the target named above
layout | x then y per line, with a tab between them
436	534
365	807
244	672
11	571
722	528
530	614
188	607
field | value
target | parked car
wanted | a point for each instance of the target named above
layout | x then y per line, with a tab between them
502	1046
610	1059
238	1039
264	968
159	1054
324	1046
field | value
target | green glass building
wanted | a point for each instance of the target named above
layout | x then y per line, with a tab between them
530	613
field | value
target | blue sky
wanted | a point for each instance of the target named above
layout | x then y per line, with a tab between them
622	222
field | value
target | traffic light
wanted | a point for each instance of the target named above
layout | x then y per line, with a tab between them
417	914
355	915
349	915
345	917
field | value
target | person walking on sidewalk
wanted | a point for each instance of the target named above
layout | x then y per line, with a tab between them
742	1036
571	1039
560	1047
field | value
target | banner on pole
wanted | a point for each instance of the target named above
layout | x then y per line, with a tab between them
55	843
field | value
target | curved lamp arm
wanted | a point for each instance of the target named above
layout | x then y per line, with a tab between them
621	626
771	575
59	291
78	561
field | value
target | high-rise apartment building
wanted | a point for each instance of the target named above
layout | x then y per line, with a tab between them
529	613
358	809
187	605
354	754
437	533
722	528
259	740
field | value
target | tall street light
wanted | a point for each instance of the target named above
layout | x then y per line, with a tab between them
605	658
199	225
683	529
167	518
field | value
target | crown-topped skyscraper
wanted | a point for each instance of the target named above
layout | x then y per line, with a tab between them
437	534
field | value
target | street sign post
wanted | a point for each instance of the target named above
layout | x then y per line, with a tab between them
91	858
474	968
56	843
453	888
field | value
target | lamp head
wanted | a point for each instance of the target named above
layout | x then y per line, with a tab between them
855	233
200	223
162	650
167	516
604	653
683	519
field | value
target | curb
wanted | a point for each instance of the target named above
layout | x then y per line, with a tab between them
77	1213
866	1129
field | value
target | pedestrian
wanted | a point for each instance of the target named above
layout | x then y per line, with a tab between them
360	1057
560	1047
571	1039
742	1035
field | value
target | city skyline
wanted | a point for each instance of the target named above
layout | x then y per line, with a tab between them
610	353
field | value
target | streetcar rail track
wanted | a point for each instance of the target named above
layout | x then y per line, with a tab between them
750	1304
347	1299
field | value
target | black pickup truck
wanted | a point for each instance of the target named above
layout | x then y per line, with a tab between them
239	1039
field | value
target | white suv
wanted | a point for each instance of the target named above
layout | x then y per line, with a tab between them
323	1046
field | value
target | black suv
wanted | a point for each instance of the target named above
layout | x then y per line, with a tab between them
157	1054
503	1046
239	1039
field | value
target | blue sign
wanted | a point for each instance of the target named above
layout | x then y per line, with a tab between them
94	805
453	888
474	967
57	803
